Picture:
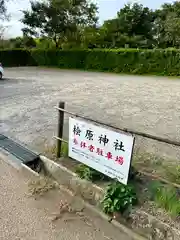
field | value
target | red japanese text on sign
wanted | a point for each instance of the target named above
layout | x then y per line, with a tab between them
101	148
83	145
109	155
120	160
99	151
91	148
75	141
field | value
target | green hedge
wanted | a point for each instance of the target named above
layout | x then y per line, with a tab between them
130	61
16	57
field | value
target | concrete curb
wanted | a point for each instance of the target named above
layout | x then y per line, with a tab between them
142	223
26	168
73	186
91	194
10	159
121	227
51	166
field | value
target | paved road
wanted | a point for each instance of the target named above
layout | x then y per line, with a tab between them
23	217
148	104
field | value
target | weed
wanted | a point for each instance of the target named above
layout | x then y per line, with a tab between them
146	160
41	186
173	173
166	168
166	197
51	150
89	174
118	198
64	149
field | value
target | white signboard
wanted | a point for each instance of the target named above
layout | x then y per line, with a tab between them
104	150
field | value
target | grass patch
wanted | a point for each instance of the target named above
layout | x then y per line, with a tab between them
151	163
51	150
166	197
64	149
90	174
165	168
146	160
173	173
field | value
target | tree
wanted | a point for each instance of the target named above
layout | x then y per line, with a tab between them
3	16
22	42
57	18
16	42
133	26
92	37
2	30
29	42
135	19
3	10
167	25
44	43
3	42
113	32
172	30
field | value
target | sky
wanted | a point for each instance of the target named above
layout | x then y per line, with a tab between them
107	10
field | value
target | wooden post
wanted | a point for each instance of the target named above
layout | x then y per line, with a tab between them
60	128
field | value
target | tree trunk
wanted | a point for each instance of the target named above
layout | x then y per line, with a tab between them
56	41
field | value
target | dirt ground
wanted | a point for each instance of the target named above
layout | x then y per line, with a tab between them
23	217
148	104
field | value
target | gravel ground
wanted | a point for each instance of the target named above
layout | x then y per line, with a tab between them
147	104
24	218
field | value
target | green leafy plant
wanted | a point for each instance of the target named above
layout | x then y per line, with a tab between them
130	61
89	174
64	149
118	198
166	197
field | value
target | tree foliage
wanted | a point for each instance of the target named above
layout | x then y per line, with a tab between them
167	25
163	62
68	24
132	26
136	20
137	26
3	10
57	18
